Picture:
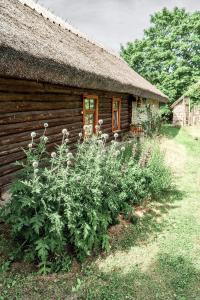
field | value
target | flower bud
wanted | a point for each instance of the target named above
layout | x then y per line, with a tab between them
33	134
64	131
46	125
35	164
116	135
53	154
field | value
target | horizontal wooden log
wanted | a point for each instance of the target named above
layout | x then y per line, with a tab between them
17	117
7	97
35	125
24	86
29	106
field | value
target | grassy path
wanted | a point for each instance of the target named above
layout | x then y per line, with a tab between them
157	258
160	257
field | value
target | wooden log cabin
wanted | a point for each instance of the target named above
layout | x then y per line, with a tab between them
48	71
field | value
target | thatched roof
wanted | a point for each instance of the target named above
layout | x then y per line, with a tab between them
36	45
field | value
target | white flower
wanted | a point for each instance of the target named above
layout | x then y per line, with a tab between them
46	125
123	149
100	132
53	154
69	163
36	171
33	134
97	127
100	142
116	135
30	145
45	139
80	134
35	164
64	131
66	140
100	122
105	136
117	152
70	155
85	127
66	150
78	178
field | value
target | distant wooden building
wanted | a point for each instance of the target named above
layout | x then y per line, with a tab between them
184	114
50	72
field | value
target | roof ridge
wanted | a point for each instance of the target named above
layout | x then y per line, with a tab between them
48	15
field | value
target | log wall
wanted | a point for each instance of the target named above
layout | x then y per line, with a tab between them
25	106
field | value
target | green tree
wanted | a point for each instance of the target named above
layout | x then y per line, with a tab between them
194	93
169	53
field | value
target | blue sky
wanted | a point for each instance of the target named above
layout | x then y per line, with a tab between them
112	22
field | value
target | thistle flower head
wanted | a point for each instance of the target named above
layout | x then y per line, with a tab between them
80	134
70	155
117	153
30	145
105	136
53	154
69	163
46	125
45	139
100	122
64	131
66	141
36	171
100	142
97	127
78	178
116	135
35	164
123	149
33	134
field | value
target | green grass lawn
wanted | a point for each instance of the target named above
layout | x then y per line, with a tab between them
158	257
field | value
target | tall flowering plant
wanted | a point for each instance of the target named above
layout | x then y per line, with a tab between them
64	199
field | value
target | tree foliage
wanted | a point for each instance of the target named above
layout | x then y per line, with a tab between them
194	93
169	53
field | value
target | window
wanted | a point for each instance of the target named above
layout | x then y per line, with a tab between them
90	113
116	110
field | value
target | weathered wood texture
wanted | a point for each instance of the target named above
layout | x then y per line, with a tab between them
25	106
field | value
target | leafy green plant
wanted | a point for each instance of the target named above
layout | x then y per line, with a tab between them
63	203
150	120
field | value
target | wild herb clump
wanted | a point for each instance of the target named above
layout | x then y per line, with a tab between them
150	120
64	202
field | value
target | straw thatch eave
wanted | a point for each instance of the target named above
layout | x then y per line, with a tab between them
32	47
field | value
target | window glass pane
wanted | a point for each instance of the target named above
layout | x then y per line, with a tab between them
115	119
89	119
87	104
92	104
115	104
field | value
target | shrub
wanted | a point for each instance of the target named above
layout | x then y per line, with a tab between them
150	120
64	203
